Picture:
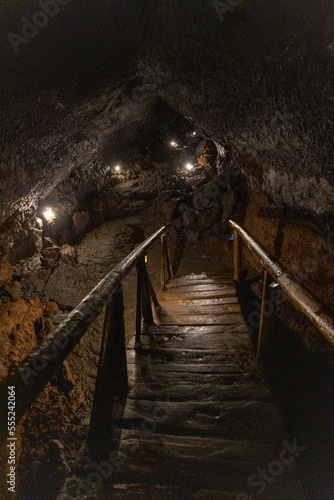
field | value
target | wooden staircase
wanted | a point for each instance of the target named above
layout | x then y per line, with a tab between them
198	420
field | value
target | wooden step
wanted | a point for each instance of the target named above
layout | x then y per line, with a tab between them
182	390
193	308
200	302
194	464
258	421
198	420
184	357
202	330
197	294
205	276
200	319
177	282
176	288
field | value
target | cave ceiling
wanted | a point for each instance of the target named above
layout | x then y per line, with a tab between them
82	81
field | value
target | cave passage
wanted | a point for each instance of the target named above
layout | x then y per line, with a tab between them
122	117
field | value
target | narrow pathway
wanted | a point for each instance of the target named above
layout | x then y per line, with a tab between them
199	421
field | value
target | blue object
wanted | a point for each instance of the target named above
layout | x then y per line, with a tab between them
232	237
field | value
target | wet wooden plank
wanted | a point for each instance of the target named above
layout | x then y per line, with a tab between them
191	367
202	319
192	465
182	391
149	491
193	308
175	287
205	294
257	421
189	470
197	341
160	354
196	277
202	302
177	282
198	329
200	382
229	274
192	446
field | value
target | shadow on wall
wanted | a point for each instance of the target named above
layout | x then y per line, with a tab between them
302	384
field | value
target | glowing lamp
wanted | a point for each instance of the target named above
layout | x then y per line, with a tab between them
173	143
49	215
117	168
189	166
194	133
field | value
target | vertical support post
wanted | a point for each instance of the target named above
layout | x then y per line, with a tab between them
138	343
146	301
152	292
111	379
169	260
266	315
166	262
163	262
237	257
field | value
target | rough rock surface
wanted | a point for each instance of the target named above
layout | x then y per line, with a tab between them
6	271
17	331
258	81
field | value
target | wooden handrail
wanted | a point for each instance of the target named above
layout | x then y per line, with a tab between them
294	291
32	375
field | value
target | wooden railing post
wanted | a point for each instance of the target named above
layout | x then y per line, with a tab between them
166	261
138	343
151	289
146	300
111	380
144	307
267	311
163	261
237	257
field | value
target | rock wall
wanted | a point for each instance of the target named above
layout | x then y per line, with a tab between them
296	242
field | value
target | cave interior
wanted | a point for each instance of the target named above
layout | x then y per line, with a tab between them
120	118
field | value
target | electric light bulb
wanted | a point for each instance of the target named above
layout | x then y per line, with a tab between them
117	168
49	215
189	166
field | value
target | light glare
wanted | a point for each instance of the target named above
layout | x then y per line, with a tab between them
189	166
49	215
117	168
